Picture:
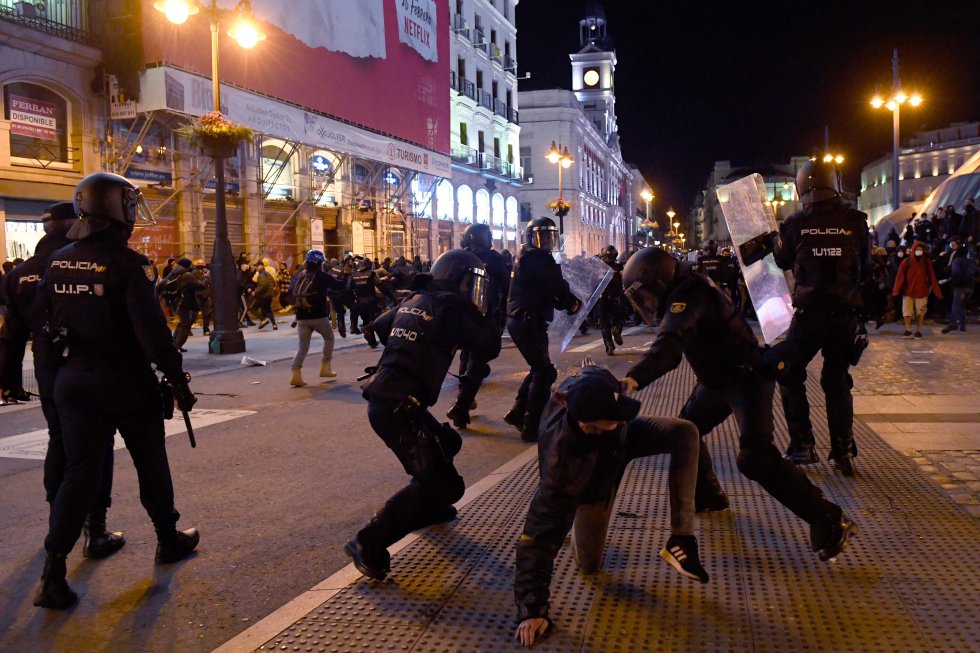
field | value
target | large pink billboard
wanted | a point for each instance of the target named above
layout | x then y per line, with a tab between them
381	64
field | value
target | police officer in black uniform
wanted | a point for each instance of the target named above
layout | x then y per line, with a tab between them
421	336
25	320
537	288
472	371
610	309
711	265
826	246
187	307
102	309
363	282
340	297
698	321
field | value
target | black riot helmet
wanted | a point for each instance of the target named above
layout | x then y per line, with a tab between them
477	238
711	247
462	272
609	255
58	218
103	199
817	181
542	233
646	278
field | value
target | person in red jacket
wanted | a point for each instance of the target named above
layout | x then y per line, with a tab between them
915	278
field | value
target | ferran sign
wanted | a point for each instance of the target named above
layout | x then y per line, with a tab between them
417	27
33	118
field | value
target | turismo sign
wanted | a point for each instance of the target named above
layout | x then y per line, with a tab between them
33	118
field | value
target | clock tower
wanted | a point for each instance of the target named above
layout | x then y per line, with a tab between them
594	71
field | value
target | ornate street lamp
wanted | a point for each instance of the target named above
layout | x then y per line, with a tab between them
559	155
226	337
894	104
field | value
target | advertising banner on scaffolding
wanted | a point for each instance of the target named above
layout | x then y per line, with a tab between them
379	64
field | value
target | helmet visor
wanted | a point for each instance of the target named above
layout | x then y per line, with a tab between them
644	301
478	289
545	238
143	215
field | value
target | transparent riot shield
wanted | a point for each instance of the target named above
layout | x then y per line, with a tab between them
749	218
587	277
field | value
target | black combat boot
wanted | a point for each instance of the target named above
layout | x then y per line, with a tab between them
373	563
174	545
835	540
100	543
459	414
515	416
617	334
804	454
54	592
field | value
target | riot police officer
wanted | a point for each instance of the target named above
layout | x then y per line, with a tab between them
472	371
421	335
711	265
102	308
826	246
610	306
537	288
339	298
363	283
699	322
25	320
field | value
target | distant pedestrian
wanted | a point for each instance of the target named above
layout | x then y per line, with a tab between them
914	281
308	293
265	292
962	278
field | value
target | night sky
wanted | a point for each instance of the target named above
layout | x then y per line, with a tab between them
756	82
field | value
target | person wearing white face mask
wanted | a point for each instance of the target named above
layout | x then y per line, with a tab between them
915	279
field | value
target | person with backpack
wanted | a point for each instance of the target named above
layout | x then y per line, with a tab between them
962	277
265	292
179	290
308	295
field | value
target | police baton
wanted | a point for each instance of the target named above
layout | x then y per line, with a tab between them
190	429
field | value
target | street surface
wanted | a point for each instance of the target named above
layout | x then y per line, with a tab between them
282	476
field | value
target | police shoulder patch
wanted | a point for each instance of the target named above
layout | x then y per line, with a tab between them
678	307
148	271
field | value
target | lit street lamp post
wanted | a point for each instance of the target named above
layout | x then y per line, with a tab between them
894	104
226	336
559	155
647	196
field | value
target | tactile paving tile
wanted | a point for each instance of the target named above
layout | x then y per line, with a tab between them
909	582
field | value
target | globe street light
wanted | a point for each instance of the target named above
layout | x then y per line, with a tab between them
894	104
647	196
226	337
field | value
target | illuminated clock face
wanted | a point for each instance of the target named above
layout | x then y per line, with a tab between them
591	77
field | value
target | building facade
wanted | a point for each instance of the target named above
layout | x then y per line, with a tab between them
928	159
598	184
780	182
310	178
486	172
51	127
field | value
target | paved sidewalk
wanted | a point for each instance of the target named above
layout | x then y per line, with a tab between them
909	582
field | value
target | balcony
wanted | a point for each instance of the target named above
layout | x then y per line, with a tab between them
496	53
500	108
510	64
485	99
468	89
479	40
452	80
67	20
460	27
465	154
512	115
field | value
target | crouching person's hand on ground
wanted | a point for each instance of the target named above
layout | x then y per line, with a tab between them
531	630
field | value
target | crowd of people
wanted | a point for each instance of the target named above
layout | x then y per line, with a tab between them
93	310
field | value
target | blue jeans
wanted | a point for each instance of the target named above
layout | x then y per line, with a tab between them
961	297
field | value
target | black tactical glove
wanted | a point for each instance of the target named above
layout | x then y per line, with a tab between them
576	305
183	396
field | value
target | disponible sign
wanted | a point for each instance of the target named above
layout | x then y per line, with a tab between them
33	118
417	27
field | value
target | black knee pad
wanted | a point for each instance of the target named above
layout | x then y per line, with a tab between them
546	375
834	384
756	462
448	488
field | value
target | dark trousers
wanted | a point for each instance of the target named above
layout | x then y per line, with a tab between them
611	318
264	307
758	458
530	335
472	372
182	332
54	459
431	488
367	310
89	417
207	314
243	310
832	334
